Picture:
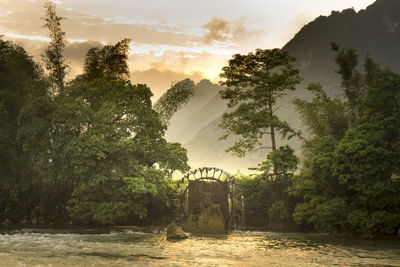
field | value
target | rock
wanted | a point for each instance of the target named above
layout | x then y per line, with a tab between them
205	219
175	231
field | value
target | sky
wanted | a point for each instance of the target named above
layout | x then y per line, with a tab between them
171	39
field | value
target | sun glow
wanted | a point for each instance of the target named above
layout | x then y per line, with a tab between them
212	74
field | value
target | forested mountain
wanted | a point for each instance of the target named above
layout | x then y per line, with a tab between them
374	31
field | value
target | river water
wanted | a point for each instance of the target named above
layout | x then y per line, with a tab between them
46	247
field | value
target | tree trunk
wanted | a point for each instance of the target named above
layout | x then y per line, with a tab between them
273	141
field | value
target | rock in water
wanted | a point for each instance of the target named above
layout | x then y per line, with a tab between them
205	219
175	231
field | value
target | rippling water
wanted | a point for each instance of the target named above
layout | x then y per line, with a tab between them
30	247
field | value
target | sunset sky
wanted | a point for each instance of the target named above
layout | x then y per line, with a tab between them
171	39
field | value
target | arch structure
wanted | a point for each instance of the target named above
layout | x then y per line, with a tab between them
207	184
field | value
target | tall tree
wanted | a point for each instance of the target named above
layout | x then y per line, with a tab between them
254	83
53	58
354	83
110	139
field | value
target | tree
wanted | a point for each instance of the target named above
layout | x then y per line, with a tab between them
254	83
284	160
111	141
322	199
53	58
266	196
109	61
368	159
354	83
323	115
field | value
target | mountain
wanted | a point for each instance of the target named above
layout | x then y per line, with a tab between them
374	31
204	106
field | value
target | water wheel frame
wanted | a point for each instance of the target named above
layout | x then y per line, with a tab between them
208	174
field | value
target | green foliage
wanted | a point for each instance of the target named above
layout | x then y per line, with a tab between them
254	83
253	191
266	202
114	143
367	223
323	116
368	157
325	214
349	183
279	212
283	159
354	83
316	175
114	199
109	61
266	197
21	86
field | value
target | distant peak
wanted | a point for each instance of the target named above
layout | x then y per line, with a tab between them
204	82
187	83
187	80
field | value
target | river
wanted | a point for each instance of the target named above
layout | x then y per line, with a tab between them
47	247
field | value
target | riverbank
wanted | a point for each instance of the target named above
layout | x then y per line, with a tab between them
83	229
154	229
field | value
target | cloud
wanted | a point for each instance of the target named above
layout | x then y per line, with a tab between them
218	30
222	30
77	51
24	18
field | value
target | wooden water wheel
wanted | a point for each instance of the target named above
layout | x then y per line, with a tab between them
208	185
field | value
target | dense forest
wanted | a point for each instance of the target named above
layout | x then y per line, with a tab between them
92	150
